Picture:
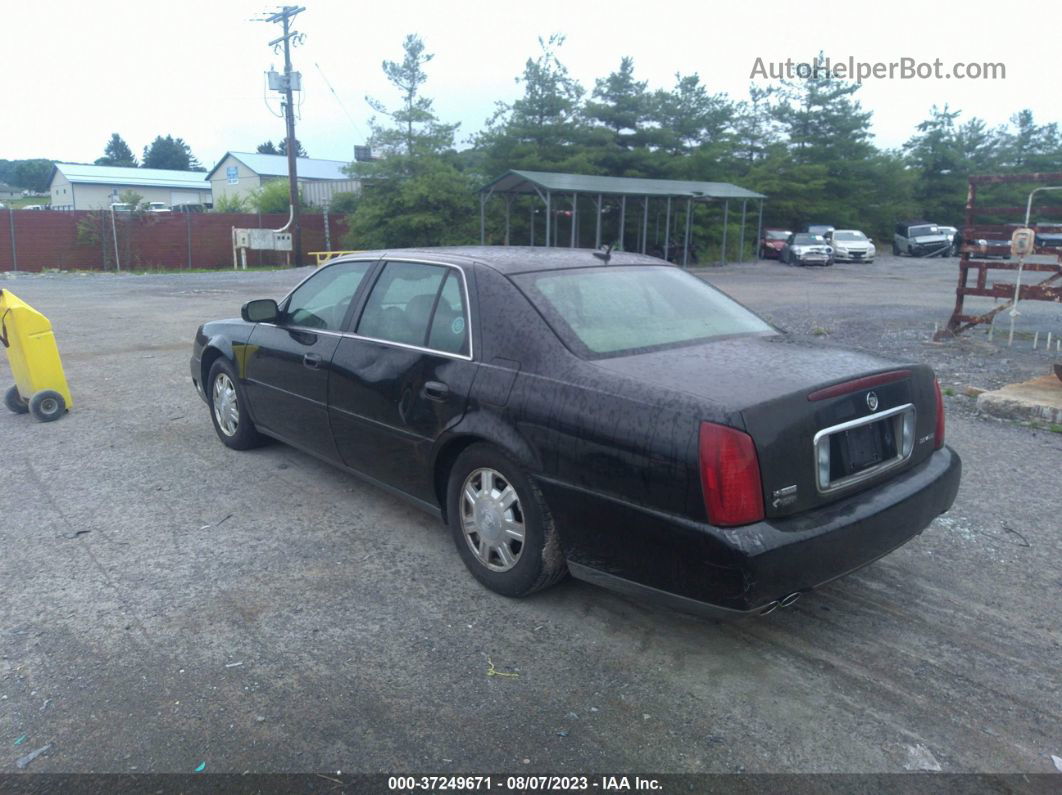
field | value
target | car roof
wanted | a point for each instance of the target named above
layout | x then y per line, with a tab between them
517	259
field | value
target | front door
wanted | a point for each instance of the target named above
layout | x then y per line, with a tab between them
403	377
287	365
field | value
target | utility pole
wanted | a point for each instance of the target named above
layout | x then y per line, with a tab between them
284	16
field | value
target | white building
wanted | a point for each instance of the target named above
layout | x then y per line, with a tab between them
81	187
240	173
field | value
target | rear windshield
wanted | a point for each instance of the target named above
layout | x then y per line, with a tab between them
775	234
809	240
613	311
849	236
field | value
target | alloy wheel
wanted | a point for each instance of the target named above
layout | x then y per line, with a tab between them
492	519
226	406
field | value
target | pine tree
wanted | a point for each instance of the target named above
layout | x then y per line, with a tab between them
117	153
170	153
416	127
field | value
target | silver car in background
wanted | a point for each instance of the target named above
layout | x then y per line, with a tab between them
851	245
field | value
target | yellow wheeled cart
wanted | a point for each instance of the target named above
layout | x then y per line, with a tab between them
40	385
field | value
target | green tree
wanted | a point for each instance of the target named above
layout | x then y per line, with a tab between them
621	104
33	175
414	201
170	153
936	157
268	148
545	128
117	153
273	197
344	202
416	127
689	116
1031	147
417	194
232	203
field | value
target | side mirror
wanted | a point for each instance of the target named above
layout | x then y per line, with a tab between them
261	310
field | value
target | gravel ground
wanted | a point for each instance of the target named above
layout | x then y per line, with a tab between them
170	603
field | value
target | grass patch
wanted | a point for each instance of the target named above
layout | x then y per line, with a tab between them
819	331
1054	427
25	201
948	391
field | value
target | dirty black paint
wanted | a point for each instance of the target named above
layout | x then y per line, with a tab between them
611	442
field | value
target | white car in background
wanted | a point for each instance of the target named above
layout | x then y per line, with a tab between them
851	245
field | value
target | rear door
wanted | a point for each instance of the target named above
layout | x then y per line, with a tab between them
403	376
287	364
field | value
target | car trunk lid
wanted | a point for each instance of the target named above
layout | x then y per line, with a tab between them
786	393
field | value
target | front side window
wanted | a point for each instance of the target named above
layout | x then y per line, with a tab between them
615	311
417	304
322	300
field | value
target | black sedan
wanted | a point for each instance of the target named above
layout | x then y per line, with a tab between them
612	417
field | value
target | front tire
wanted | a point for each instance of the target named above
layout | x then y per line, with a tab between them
501	526
228	408
47	405
13	400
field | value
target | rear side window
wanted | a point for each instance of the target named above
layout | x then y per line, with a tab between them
449	329
417	304
612	311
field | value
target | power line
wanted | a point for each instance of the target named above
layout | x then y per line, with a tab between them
342	107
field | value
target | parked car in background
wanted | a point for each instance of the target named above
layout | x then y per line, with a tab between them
956	238
921	239
158	207
851	245
805	249
567	411
820	229
35	207
772	243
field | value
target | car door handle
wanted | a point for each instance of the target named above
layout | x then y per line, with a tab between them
312	360
436	390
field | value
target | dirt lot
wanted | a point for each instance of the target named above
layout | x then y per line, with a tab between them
168	602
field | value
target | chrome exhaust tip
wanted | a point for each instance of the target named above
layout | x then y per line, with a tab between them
770	608
787	601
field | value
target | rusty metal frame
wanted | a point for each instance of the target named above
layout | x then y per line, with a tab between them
972	257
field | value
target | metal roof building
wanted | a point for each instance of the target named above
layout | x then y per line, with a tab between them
239	173
560	193
76	186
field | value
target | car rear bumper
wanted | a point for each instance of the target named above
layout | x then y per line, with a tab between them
744	570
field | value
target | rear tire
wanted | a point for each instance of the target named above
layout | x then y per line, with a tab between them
13	400
501	526
228	408
47	405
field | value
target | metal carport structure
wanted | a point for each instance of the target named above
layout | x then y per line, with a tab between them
551	187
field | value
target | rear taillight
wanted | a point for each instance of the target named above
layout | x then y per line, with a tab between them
730	476
938	434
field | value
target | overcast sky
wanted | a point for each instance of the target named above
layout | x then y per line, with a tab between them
76	71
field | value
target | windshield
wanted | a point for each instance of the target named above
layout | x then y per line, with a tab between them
809	240
849	236
777	234
918	231
613	311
